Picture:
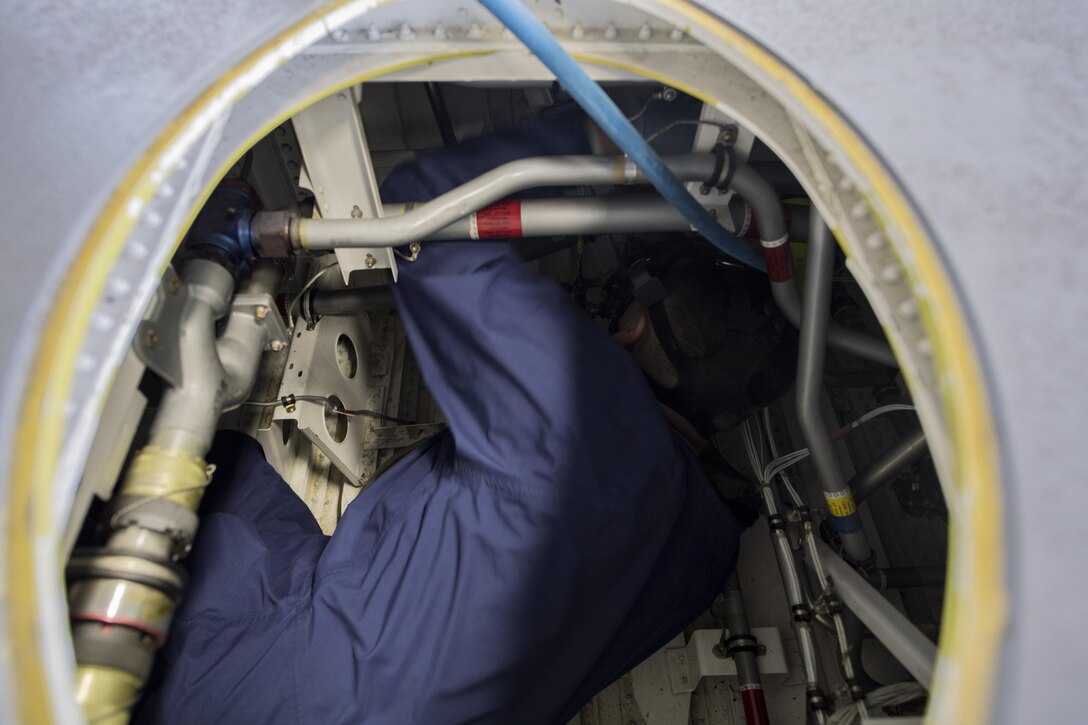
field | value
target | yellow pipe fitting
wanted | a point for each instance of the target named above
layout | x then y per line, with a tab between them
105	694
170	474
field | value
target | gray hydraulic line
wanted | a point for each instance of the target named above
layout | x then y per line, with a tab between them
570	217
743	647
801	616
773	236
812	349
908	449
424	220
122	596
318	303
897	633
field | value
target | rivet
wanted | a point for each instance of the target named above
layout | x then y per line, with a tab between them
874	241
405	32
370	261
174	286
907	309
645	32
475	31
859	211
152	339
577	32
676	34
440	32
340	35
356	212
372	33
925	347
890	273
610	32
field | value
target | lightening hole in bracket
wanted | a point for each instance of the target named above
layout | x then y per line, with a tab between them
335	424
346	357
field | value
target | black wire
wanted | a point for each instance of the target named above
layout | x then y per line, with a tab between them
326	400
441	114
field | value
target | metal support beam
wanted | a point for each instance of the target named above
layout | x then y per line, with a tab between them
333	142
912	648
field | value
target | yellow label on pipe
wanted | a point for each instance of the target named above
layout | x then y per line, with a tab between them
841	503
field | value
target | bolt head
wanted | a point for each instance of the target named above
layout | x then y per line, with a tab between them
356	212
277	345
260	313
175	285
371	261
152	339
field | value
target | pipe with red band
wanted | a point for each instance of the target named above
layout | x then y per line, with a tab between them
497	221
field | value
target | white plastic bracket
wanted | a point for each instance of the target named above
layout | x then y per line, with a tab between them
698	659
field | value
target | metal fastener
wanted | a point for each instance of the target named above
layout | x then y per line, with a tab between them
340	35
261	312
610	32
175	285
370	261
277	345
152	338
356	212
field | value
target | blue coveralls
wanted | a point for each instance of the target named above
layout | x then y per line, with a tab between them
503	572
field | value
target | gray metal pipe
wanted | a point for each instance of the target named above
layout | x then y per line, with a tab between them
317	303
188	413
882	469
767	209
810	371
912	648
740	646
576	215
424	220
216	374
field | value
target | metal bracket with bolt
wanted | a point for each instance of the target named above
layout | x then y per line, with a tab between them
699	658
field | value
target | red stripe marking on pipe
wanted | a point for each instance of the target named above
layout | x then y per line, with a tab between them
158	635
755	707
499	221
779	262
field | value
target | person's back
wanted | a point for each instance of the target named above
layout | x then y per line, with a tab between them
506	570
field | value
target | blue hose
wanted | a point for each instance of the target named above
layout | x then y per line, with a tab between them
595	102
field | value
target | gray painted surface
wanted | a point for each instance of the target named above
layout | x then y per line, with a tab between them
86	88
979	108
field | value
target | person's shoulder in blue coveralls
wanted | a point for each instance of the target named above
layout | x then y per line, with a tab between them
556	535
